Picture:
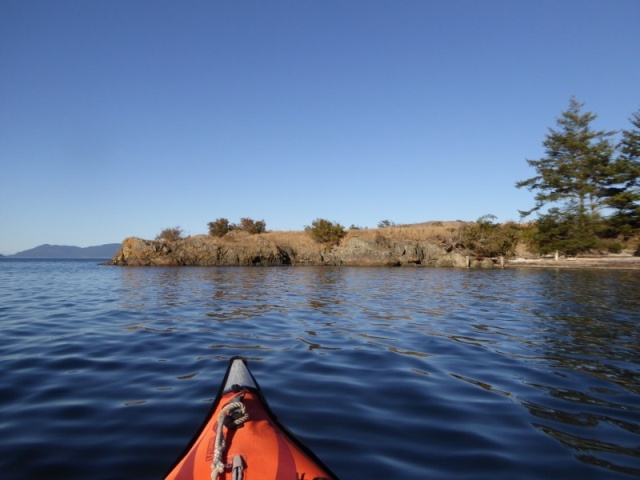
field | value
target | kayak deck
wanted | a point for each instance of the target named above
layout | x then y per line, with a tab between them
259	448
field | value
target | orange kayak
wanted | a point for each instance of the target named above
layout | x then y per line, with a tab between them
241	439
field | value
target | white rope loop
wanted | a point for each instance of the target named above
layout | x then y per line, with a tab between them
233	407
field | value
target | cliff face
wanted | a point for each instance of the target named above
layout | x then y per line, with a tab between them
261	250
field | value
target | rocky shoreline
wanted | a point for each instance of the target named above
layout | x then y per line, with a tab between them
272	250
261	250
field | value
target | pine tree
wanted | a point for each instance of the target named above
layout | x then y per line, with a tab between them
623	195
576	167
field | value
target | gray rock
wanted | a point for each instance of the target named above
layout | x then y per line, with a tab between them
258	250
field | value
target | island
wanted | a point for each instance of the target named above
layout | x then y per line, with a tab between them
67	252
430	244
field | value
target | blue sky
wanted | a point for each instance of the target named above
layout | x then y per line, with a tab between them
120	118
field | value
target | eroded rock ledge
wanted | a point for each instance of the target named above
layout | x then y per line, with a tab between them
263	250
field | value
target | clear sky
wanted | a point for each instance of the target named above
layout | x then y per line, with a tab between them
121	118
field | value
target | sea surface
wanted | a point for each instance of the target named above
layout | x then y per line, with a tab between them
107	372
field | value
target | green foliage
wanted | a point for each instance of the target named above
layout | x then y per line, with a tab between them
528	235
385	223
579	178
630	143
170	234
568	232
486	238
614	247
623	192
577	165
251	226
219	227
324	231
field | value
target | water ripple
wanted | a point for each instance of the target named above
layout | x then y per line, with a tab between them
432	373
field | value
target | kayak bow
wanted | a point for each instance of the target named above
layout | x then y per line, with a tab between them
241	439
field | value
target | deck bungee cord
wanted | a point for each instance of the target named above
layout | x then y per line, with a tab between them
236	414
242	439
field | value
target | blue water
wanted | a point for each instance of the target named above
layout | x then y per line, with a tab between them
384	373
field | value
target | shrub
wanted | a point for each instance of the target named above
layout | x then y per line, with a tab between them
324	231
219	227
567	232
251	226
613	247
488	239
170	234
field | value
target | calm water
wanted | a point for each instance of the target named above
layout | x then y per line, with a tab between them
385	373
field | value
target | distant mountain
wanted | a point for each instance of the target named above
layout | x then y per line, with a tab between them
62	251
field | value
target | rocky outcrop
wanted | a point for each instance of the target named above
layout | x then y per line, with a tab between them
198	251
261	250
367	252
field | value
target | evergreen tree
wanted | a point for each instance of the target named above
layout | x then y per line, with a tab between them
576	167
566	231
623	195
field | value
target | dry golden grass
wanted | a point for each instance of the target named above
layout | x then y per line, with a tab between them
415	232
298	240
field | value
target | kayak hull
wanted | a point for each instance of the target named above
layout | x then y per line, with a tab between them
261	447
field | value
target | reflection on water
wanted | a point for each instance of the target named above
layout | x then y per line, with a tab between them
432	373
503	332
